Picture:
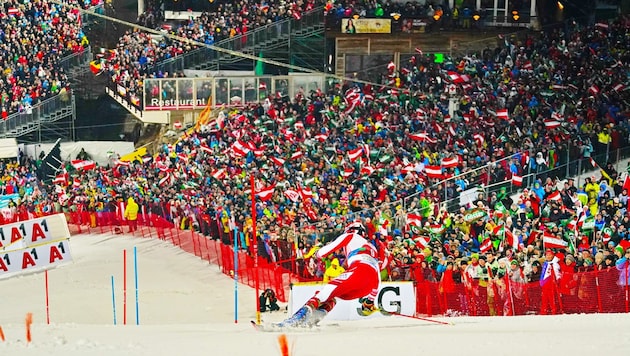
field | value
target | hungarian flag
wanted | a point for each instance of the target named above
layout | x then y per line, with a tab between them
367	170
266	193
485	246
451	162
83	165
517	180
550	241
433	171
347	172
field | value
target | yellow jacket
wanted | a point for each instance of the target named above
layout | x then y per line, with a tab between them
333	271
131	210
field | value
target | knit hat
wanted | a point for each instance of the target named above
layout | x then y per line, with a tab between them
619	248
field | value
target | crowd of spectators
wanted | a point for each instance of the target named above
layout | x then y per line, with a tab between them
137	51
355	150
34	37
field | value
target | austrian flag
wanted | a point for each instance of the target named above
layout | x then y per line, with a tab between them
433	171
450	162
517	180
550	241
83	165
266	193
503	114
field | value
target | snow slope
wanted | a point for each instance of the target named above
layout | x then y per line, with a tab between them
186	307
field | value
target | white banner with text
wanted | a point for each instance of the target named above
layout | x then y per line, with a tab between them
393	297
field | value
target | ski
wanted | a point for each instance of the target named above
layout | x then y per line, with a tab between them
280	328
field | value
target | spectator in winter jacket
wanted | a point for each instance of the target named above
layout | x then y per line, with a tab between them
623	265
333	271
131	214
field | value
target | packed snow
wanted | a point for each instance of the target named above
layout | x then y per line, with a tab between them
186	307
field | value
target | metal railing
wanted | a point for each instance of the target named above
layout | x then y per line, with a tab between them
34	114
76	59
260	35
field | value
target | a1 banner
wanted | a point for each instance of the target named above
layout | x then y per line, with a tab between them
34	258
33	232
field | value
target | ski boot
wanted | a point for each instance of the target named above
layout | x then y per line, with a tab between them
321	311
367	307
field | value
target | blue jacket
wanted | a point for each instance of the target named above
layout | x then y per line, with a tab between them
623	265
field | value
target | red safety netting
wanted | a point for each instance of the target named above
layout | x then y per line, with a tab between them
596	291
271	275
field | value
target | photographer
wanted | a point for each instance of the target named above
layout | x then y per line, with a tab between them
269	301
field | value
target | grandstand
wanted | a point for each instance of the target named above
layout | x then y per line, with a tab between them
441	144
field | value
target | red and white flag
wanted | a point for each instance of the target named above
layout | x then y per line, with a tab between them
367	170
485	246
451	162
593	163
355	154
503	114
433	171
554	196
422	241
594	90
293	195
266	193
321	137
422	137
550	241
219	174
277	161
551	124
240	148
305	192
83	165
517	180
479	140
391	66
297	155
414	219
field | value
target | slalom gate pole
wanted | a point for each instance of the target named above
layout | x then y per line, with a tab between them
421	318
135	273
235	276
28	321
125	287
255	241
47	304
113	300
